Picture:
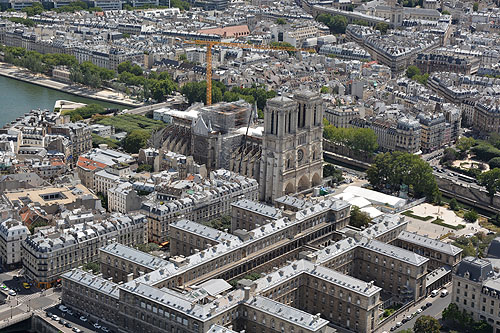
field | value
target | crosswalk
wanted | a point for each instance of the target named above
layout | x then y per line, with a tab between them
26	298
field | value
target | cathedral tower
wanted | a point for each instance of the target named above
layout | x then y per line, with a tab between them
292	151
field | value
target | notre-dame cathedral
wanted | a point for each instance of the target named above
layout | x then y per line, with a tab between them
285	155
292	152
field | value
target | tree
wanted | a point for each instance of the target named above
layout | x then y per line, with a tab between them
337	24
382	27
324	90
471	216
445	12
475	6
426	324
95	267
136	140
281	21
491	181
358	218
494	163
149	247
144	167
449	155
411	71
454	204
183	57
465	143
125	66
329	170
390	171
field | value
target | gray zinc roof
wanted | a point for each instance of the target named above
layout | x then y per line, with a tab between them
433	244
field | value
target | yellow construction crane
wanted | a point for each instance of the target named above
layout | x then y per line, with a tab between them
210	44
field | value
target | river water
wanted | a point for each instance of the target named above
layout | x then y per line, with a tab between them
18	98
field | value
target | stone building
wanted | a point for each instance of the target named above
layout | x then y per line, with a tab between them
123	263
248	215
292	151
50	252
439	253
12	235
476	290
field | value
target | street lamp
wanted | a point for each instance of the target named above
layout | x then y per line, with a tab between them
11	307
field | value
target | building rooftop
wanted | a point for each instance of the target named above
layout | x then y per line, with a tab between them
433	244
259	208
131	254
92	281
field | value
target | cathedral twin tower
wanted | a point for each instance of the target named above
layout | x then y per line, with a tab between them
292	152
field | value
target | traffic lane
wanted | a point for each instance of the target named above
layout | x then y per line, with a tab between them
434	311
18	287
74	319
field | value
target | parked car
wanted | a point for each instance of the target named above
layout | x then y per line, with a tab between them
54	317
12	293
434	293
76	329
444	293
428	304
62	308
419	311
97	326
68	325
83	318
399	324
104	329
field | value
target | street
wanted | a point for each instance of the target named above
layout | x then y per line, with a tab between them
438	304
26	300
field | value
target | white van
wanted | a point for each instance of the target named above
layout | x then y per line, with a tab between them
434	293
444	293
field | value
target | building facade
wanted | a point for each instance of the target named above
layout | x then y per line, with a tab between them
292	151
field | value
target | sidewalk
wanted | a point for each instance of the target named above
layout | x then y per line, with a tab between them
103	95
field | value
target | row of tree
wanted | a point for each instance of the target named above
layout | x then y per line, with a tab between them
358	139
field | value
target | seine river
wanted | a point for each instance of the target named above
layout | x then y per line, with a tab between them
18	98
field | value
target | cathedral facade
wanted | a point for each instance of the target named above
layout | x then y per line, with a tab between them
292	151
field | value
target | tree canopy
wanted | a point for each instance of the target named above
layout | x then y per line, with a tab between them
426	324
491	181
337	24
464	322
358	139
136	140
392	170
358	218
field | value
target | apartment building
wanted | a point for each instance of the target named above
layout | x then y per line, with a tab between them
123	198
79	134
341	117
51	198
476	290
432	131
110	177
211	201
487	115
248	215
442	62
12	235
51	252
98	159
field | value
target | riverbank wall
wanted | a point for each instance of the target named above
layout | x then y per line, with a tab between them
104	95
